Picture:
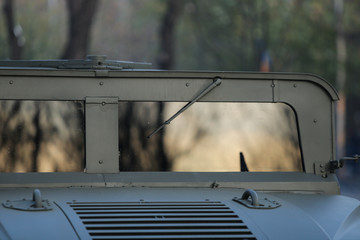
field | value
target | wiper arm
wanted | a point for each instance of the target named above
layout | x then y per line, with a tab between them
216	82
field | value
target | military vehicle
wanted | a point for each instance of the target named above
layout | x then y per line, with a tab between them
251	198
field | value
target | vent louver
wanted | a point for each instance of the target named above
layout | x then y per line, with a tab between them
161	220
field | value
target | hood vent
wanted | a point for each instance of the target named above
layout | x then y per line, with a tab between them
161	220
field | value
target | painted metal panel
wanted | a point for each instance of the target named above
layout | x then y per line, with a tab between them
315	120
101	135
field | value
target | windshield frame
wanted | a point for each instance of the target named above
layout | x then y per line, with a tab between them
311	98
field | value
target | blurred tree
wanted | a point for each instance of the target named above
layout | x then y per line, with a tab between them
14	31
150	154
166	61
351	21
81	14
167	35
340	76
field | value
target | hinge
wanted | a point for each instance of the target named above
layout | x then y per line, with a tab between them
324	169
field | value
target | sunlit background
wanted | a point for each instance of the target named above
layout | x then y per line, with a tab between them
319	37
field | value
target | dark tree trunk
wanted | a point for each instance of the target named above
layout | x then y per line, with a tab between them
167	35
340	77
166	61
14	37
81	15
38	138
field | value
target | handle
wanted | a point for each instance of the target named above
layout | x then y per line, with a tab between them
254	197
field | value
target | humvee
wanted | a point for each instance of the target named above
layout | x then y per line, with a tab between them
219	191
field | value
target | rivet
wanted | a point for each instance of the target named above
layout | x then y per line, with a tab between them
272	85
101	83
295	85
100	162
103	103
324	175
187	84
322	171
11	82
315	120
321	165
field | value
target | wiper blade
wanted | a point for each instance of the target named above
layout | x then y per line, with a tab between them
216	82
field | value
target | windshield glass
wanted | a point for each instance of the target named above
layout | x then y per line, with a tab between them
39	136
208	137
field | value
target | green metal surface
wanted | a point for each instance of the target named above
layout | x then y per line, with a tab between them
103	202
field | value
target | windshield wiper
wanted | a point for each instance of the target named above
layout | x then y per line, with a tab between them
216	82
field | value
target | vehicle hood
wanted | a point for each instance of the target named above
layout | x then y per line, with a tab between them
175	213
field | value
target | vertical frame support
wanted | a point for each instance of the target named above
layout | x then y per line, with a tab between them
101	135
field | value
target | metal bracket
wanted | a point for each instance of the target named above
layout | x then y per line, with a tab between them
36	204
324	168
101	125
255	202
321	168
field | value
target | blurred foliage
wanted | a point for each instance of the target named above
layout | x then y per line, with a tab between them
232	35
214	35
43	24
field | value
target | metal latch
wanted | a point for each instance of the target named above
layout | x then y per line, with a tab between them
36	204
255	202
324	168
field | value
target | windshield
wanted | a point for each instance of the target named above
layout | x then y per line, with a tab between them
208	136
41	136
48	136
